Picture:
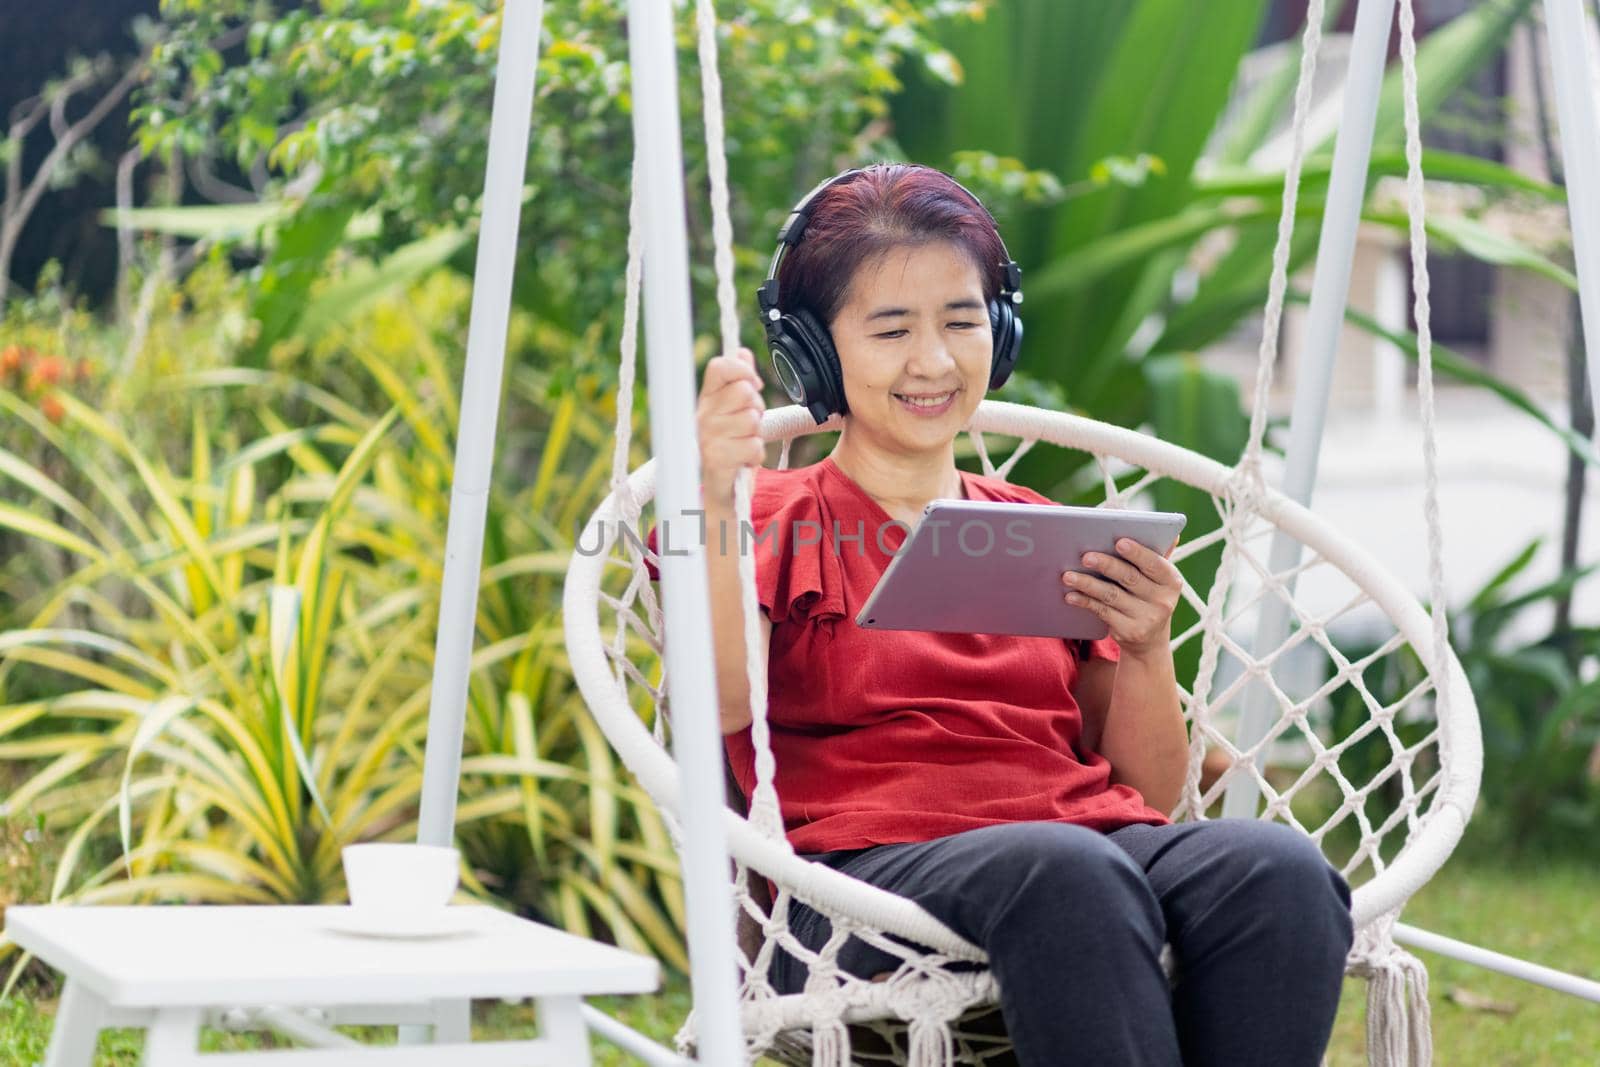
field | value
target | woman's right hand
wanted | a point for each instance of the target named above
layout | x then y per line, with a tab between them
729	424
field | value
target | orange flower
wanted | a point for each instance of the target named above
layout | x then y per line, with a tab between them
52	408
49	369
10	360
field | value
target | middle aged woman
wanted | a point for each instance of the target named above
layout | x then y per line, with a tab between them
1015	787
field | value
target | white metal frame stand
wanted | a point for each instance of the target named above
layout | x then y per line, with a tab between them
1576	73
670	360
686	604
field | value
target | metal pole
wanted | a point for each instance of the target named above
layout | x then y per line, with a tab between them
480	411
1329	290
1576	72
1562	982
631	1041
697	740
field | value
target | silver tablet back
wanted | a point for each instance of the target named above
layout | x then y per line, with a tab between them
981	566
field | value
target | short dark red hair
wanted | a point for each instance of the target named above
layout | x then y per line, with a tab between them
887	205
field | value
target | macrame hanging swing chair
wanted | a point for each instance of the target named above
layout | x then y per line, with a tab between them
937	1008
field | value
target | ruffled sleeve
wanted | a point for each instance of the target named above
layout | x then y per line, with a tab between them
798	573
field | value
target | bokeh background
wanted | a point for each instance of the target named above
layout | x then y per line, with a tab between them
236	243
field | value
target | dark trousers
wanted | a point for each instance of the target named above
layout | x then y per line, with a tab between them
1073	921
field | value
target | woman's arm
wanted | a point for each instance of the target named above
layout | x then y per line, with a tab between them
1132	717
1092	690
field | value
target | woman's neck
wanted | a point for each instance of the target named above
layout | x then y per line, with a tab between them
900	483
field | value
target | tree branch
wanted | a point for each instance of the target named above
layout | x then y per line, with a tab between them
125	168
21	127
214	188
79	130
19	205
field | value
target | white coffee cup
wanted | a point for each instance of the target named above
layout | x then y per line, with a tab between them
400	878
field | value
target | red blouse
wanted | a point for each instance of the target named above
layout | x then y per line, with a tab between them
884	736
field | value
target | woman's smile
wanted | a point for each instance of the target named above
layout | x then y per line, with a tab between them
927	405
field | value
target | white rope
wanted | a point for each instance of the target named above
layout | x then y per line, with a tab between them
1398	1014
1417	211
633	282
627	372
1399	1018
1243	501
764	810
1278	286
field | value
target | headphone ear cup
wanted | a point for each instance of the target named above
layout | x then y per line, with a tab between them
814	337
1005	326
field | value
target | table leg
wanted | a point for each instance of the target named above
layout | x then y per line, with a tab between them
415	1033
79	1019
561	1023
452	1021
173	1039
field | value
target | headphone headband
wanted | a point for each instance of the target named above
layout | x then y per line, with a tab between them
794	228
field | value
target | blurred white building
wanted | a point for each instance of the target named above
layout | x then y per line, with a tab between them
1503	475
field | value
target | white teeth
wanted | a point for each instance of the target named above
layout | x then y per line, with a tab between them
925	402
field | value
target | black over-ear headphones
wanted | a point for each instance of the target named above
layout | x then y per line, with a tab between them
802	349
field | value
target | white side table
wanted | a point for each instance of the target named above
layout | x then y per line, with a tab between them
173	969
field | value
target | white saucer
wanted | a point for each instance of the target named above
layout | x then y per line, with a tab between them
443	922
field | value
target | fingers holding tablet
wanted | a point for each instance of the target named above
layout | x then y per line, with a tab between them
1134	592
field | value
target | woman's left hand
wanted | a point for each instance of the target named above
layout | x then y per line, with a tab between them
1134	592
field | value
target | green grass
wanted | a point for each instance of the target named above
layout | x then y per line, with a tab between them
25	1029
1545	913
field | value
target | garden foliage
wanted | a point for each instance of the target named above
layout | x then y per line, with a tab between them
222	525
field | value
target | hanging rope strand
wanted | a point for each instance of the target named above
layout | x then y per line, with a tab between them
1416	209
1278	286
622	434
1403	1023
764	810
1249	483
627	373
717	169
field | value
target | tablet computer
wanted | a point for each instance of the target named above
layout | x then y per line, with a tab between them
984	566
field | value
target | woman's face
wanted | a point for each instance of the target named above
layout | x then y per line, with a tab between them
914	345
